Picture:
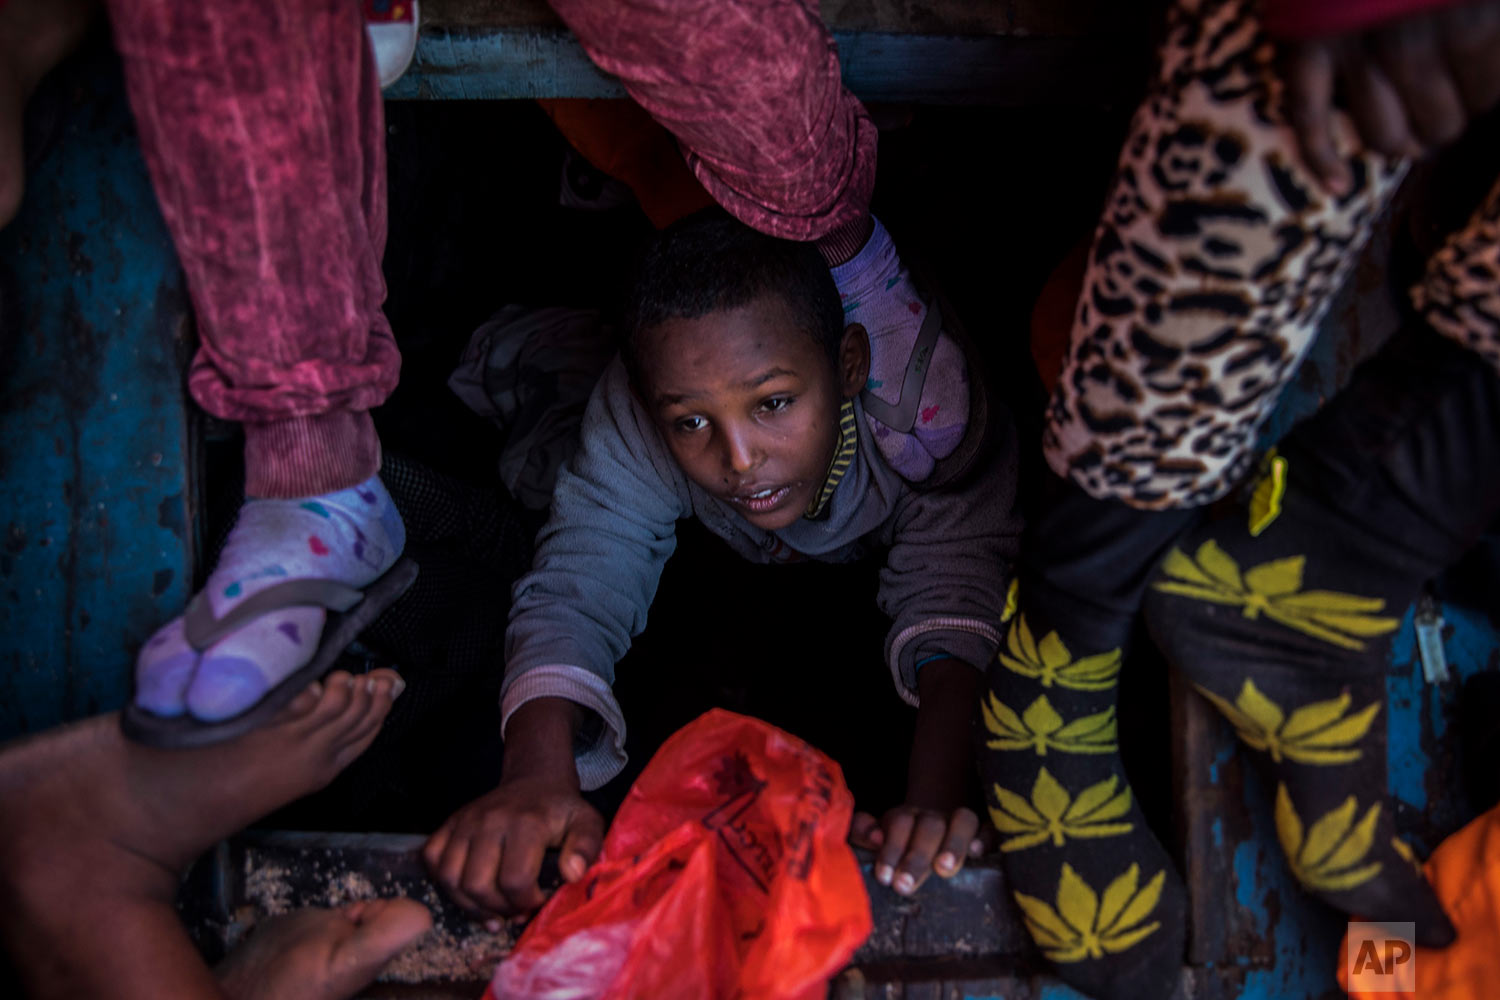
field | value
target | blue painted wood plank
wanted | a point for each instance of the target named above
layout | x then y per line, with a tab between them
501	64
996	70
1423	773
1421	745
1286	942
94	429
458	63
1295	939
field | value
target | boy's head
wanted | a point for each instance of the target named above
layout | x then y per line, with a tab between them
736	345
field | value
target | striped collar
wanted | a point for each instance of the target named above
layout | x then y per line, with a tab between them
843	456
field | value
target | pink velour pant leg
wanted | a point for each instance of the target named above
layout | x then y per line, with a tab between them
751	89
262	128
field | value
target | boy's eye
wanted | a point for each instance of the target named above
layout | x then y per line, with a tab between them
686	425
776	404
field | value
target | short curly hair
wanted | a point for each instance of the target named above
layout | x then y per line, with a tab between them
709	262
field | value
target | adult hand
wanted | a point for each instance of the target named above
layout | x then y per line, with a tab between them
913	843
1411	85
488	855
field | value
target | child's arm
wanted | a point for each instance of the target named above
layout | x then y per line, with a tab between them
612	527
599	557
949	565
934	829
944	585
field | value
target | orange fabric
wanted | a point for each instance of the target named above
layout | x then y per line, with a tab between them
621	139
1052	316
1465	873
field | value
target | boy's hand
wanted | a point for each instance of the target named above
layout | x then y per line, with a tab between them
489	853
914	842
932	831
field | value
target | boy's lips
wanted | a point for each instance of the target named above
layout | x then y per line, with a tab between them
761	501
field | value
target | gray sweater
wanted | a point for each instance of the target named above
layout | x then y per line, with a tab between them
949	557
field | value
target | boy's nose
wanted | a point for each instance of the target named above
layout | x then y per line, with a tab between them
740	452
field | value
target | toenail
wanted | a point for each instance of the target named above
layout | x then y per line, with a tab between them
493	926
905	883
883	874
945	861
370	684
397	688
350	680
316	687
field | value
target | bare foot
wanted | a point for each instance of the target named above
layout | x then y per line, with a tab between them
321	954
87	782
95	831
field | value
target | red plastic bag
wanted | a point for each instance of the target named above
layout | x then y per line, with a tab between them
726	873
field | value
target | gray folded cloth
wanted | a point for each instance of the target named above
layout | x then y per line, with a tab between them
531	371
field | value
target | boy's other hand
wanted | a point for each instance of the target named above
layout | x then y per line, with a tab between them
488	855
1411	85
932	831
912	843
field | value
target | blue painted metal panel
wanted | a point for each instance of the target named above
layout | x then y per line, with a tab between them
97	545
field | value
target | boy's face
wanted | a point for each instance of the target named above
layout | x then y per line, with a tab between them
748	403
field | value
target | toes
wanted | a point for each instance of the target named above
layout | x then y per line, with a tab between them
224	687
338	693
163	671
317	709
352	721
373	696
341	715
385	685
383	928
322	953
335	720
238	671
302	705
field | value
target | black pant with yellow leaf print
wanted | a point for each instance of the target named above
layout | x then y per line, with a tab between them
1286	630
1097	892
1191	320
1282	614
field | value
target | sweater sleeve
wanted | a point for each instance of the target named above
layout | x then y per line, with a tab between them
598	561
952	555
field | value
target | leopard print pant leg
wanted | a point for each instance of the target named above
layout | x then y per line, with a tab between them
1213	264
1459	295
